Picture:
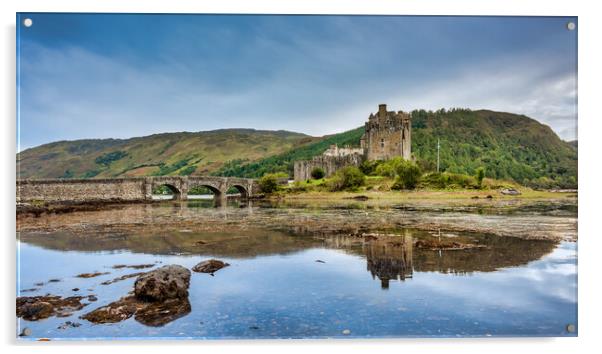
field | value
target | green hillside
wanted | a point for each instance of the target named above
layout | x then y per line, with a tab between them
284	162
160	154
509	146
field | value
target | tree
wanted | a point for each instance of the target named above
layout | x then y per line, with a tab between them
480	175
385	170
408	175
269	183
347	178
317	173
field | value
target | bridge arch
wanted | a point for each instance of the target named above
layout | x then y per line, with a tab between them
242	189
217	192
175	191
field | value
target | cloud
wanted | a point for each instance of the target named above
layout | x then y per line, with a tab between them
283	75
537	90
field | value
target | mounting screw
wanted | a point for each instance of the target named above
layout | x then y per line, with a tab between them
570	26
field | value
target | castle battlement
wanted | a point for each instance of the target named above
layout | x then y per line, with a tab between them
388	134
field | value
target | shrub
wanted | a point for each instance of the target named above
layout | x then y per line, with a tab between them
347	178
187	171
385	170
317	173
110	157
408	175
368	167
480	175
389	168
269	183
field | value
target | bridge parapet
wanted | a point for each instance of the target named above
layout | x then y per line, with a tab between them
127	189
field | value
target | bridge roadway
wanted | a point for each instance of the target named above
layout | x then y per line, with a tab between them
127	189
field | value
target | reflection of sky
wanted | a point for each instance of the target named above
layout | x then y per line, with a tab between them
103	75
294	296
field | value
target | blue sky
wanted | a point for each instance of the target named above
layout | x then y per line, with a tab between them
109	75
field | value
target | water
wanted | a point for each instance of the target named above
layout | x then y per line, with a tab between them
315	281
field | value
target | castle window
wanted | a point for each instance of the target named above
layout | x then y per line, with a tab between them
382	143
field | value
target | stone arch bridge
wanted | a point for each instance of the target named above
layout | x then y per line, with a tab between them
128	189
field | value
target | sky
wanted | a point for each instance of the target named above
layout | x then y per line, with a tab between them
86	76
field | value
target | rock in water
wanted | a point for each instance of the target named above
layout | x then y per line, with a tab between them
114	312
211	266
168	282
160	296
36	310
39	307
510	191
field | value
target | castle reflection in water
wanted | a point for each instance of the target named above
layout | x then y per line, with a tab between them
386	260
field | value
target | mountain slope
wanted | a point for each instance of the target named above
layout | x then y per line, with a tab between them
161	154
284	162
509	146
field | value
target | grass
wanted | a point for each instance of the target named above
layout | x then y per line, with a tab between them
379	188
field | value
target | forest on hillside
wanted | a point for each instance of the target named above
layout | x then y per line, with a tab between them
507	146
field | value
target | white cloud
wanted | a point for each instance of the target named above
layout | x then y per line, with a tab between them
75	94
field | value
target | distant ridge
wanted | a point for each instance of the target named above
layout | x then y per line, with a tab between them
509	146
182	153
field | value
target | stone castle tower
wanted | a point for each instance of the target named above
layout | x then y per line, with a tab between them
388	135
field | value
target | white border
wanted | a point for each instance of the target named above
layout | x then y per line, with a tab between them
590	178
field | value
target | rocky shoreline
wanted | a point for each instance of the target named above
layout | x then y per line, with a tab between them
159	296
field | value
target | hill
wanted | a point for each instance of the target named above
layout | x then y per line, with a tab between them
284	162
509	146
160	154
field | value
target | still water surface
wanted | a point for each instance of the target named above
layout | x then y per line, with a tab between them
290	282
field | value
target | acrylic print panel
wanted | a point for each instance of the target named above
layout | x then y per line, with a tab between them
250	176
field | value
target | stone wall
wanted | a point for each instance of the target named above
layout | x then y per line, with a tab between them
387	135
330	164
79	190
126	189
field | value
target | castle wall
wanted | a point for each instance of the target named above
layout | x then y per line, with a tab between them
330	164
388	135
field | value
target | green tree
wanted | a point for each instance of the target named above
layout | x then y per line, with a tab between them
317	173
347	178
368	167
385	169
269	183
408	175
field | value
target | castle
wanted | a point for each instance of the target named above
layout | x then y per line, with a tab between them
387	135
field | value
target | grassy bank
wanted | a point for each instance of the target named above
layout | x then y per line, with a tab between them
381	188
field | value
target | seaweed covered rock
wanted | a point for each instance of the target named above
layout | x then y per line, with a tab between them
160	296
114	312
210	266
167	282
33	308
